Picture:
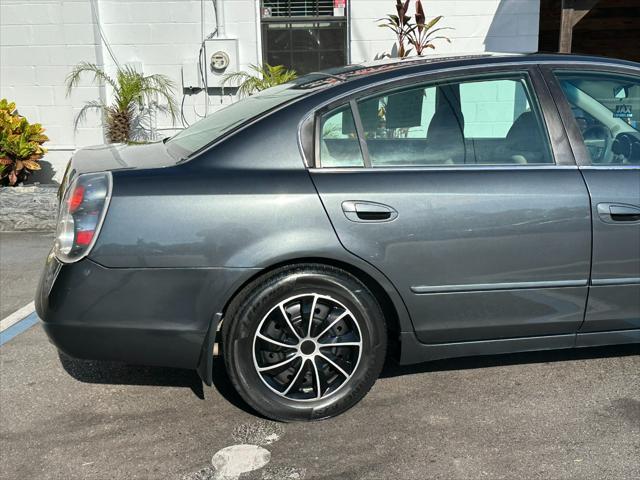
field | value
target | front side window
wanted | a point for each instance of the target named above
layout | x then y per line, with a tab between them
606	108
487	121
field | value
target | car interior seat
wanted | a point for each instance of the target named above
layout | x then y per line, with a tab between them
524	142
445	137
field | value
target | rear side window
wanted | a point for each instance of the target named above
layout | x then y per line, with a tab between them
204	132
487	121
606	108
339	145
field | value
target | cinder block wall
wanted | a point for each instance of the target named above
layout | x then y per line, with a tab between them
39	43
40	40
476	26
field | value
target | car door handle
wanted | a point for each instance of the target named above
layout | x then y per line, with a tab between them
614	212
368	212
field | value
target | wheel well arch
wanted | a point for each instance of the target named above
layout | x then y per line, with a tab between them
387	305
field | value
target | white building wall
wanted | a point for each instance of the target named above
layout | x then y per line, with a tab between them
41	40
476	26
39	43
162	36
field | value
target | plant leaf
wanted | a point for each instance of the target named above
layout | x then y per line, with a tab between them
31	165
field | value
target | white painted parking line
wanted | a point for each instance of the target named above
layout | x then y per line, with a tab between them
17	328
16	316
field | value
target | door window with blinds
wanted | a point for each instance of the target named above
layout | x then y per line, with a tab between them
304	35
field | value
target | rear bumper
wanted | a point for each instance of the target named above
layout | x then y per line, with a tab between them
150	316
144	346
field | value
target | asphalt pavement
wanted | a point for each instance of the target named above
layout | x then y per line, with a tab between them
22	256
564	415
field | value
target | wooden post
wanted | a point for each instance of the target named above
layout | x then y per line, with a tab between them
566	26
572	12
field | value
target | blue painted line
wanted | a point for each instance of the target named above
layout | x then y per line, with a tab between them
22	326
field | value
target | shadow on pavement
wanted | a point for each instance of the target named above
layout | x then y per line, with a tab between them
100	372
224	386
114	373
393	369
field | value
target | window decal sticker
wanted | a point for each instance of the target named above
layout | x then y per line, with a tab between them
623	111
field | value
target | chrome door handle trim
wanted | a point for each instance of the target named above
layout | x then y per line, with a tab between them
362	211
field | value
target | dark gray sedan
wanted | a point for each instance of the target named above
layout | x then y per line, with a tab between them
420	209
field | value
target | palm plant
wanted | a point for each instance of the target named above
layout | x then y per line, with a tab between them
133	92
262	77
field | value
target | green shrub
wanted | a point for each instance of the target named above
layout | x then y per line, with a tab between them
263	77
20	145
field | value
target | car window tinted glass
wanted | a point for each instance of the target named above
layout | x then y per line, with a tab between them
475	122
339	146
207	130
607	110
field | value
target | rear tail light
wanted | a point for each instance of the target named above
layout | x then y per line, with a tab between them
82	211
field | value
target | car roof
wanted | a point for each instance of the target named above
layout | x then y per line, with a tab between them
341	75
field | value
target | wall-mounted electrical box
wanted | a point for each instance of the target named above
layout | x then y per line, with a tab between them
220	59
191	79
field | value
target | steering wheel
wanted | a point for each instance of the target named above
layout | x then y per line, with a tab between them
626	146
598	140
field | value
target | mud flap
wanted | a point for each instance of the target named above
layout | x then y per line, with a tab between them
205	364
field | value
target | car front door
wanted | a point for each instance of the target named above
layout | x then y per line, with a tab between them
450	187
601	111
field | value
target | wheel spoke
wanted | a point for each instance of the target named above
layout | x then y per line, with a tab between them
275	342
317	375
340	317
335	365
286	319
339	344
311	314
279	364
295	378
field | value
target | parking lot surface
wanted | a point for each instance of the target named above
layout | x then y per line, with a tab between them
22	256
566	414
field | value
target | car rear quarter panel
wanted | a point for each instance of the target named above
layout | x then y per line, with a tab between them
247	201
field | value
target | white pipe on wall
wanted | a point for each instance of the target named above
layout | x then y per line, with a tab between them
220	8
202	20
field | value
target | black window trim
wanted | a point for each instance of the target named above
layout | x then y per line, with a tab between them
569	123
546	110
362	140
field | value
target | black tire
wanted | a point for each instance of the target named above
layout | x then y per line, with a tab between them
260	299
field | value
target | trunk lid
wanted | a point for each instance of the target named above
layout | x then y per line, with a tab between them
117	156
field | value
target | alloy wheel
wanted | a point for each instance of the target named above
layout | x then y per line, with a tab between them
307	347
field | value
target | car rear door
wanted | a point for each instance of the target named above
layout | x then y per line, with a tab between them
600	107
450	187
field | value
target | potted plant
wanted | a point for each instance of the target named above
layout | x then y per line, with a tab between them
419	35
